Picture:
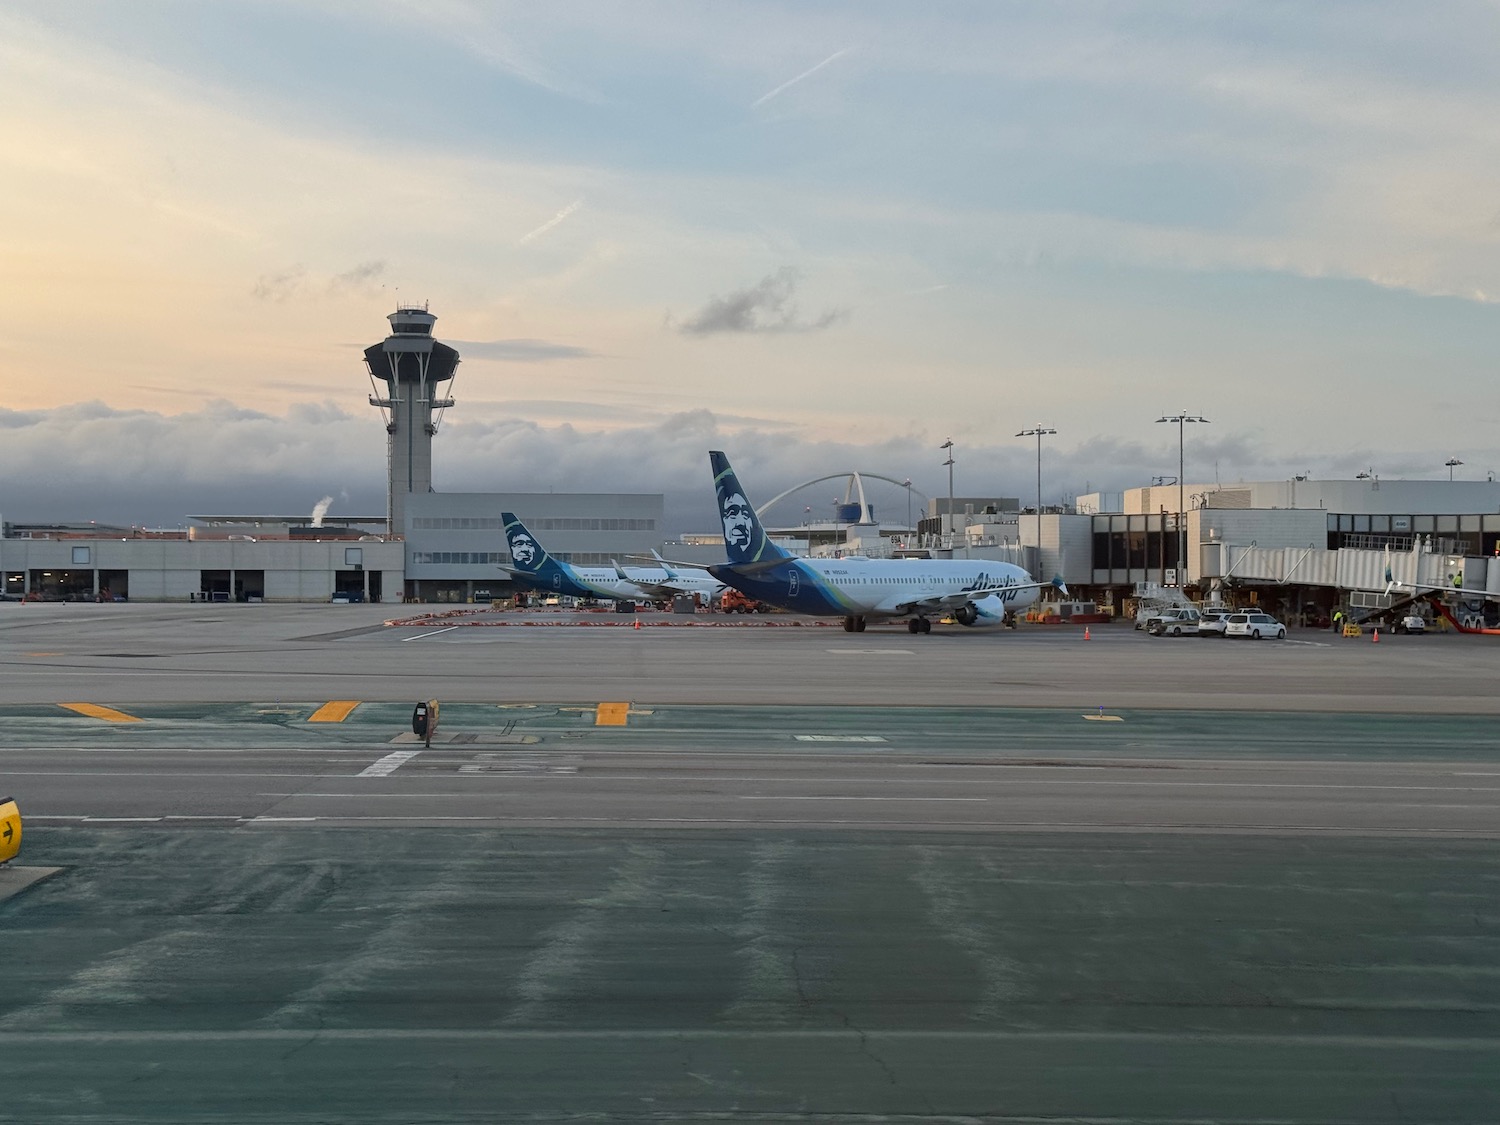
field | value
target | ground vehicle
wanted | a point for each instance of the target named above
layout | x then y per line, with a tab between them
1178	622
1410	624
735	601
1255	625
1213	622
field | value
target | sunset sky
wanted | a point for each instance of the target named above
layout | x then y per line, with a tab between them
817	235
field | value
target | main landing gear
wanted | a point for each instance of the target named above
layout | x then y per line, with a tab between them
919	625
854	624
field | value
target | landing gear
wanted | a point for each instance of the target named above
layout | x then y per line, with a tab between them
854	624
919	625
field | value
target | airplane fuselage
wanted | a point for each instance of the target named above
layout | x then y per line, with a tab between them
879	587
640	583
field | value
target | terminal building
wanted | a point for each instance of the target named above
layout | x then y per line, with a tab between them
1298	548
428	545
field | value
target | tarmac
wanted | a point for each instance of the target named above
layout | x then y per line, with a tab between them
759	872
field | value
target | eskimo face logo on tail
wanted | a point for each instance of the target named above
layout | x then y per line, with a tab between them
738	518
523	549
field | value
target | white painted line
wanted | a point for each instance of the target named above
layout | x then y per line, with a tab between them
970	800
838	738
122	819
434	633
874	651
389	764
281	820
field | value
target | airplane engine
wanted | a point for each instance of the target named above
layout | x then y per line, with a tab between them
982	613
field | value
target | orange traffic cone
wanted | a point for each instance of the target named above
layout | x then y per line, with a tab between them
637	622
1375	638
1085	632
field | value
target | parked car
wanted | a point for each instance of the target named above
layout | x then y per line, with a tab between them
1254	625
1213	622
1180	622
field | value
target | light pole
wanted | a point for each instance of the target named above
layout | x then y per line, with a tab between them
1452	463
948	445
1038	431
907	485
1182	417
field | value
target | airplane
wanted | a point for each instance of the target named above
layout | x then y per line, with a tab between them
535	568
976	592
666	580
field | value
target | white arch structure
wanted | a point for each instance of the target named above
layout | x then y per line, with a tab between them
855	486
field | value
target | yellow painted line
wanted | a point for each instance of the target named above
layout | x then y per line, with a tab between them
611	714
94	711
1105	718
41	654
334	712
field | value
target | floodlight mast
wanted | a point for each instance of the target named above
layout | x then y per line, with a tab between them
948	445
1038	431
1182	417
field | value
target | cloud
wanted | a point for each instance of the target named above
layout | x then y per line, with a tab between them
362	278
279	287
520	350
765	307
89	461
552	222
787	85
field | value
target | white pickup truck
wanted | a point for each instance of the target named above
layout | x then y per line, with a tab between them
1181	621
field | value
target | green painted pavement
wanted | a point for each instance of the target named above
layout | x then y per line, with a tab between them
465	975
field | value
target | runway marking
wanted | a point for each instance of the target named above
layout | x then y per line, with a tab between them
434	633
839	738
970	800
282	819
1105	718
95	711
874	651
389	764
333	712
611	714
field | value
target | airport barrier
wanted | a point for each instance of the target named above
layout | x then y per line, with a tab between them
10	829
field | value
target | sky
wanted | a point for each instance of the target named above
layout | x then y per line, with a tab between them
819	236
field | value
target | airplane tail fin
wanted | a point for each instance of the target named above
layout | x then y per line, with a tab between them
528	557
745	540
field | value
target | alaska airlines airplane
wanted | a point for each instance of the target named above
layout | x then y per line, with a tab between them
535	568
975	592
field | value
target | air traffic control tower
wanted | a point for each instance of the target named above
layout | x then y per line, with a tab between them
411	364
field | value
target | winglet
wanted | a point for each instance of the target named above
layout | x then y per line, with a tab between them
1059	584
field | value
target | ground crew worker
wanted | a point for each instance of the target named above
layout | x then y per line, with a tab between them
1338	620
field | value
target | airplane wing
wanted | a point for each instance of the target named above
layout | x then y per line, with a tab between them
933	602
653	557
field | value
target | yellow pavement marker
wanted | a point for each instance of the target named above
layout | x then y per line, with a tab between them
611	714
94	711
334	712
